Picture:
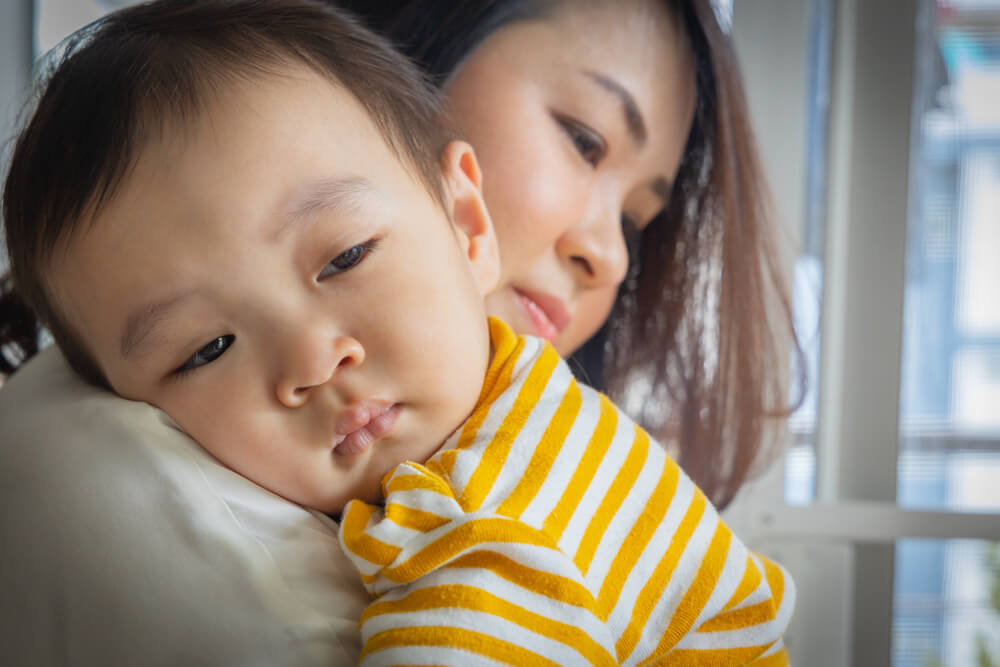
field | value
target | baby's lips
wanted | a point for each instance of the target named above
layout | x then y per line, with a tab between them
371	420
357	415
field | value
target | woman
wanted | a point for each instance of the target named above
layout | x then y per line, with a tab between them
622	176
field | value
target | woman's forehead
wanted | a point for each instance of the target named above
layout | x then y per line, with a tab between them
637	44
609	21
640	36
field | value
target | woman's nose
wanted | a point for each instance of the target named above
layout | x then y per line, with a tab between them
313	360
595	250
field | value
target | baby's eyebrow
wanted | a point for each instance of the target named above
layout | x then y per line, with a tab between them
343	194
144	320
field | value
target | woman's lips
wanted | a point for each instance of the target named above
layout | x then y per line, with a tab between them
360	425
548	315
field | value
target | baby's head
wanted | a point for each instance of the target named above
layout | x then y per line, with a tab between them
247	214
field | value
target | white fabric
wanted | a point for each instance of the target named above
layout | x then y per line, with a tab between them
124	543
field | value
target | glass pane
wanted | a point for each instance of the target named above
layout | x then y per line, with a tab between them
949	416
946	611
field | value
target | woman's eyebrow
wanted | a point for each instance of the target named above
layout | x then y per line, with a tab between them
633	117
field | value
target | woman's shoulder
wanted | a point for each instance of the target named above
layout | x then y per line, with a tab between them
146	546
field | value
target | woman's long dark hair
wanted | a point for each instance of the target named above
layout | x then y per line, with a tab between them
698	344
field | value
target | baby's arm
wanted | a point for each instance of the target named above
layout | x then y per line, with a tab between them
456	586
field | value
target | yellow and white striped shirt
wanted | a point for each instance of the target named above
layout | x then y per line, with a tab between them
550	530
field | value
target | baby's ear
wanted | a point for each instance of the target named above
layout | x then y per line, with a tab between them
465	204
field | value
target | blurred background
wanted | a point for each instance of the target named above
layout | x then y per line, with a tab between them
880	126
879	122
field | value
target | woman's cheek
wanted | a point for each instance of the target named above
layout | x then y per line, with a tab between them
532	209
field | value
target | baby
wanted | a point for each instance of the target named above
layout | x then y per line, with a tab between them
248	215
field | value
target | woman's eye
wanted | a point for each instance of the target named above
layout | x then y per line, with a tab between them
207	354
588	143
348	259
629	225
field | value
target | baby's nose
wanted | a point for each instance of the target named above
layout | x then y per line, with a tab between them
313	362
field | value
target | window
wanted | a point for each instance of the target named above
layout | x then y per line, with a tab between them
949	421
950	390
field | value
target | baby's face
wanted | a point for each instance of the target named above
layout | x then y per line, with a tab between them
277	282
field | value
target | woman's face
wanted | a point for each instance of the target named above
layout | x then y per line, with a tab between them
579	121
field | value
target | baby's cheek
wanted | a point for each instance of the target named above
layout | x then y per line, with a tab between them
223	428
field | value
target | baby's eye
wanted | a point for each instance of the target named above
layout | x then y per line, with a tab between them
348	259
207	354
588	143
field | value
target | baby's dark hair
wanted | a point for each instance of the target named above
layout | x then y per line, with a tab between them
119	82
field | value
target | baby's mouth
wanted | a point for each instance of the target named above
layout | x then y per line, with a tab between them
362	424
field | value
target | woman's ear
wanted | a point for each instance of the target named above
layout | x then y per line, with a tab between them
467	209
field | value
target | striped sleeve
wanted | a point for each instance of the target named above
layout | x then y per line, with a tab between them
550	529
